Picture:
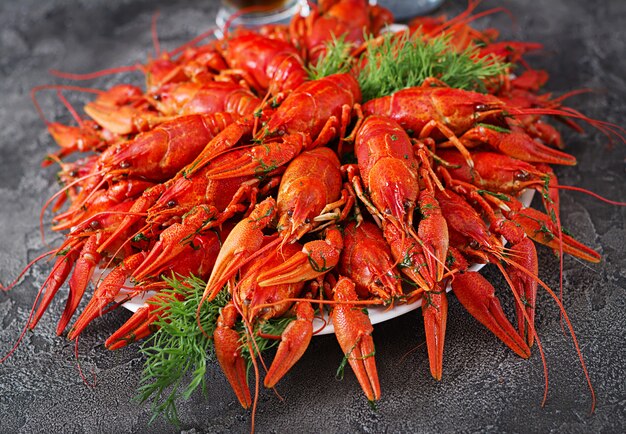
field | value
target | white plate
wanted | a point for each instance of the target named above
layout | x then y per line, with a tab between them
377	314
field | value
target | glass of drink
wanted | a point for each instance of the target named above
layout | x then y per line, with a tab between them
256	13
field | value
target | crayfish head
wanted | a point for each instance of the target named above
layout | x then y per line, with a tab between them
297	220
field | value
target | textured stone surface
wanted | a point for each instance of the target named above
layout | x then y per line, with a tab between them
485	387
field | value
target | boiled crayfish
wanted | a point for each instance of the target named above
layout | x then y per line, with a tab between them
295	195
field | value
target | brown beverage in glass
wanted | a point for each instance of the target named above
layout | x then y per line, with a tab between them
266	4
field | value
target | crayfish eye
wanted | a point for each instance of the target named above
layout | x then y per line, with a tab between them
95	224
171	204
290	213
522	175
307	220
124	164
481	107
474	245
157	97
73	173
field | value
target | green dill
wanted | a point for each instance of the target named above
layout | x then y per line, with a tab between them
63	252
178	350
503	197
318	268
407	261
545	230
336	59
494	128
344	361
140	237
398	62
347	356
526	302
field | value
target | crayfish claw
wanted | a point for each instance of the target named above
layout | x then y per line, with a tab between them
81	276
525	284
353	329
435	313
105	293
477	295
228	353
540	228
294	342
138	326
316	258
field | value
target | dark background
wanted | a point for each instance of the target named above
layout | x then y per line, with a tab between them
485	387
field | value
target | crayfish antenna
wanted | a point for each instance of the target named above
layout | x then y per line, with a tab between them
570	328
154	33
207	33
80	370
30	264
607	128
59	193
32	310
465	17
69	107
95	74
531	326
58	88
590	193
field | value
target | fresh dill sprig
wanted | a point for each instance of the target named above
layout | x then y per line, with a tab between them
336	59
178	349
397	62
178	352
394	62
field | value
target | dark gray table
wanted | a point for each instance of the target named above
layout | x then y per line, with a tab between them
485	387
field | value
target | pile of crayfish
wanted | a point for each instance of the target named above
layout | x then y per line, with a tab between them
298	197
